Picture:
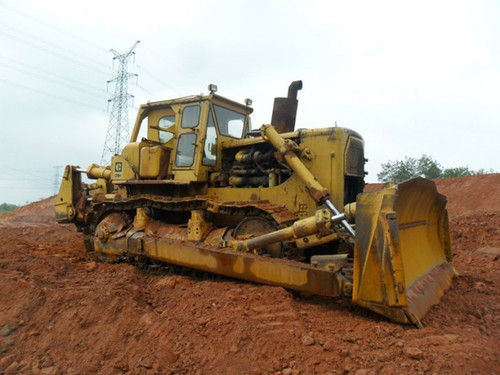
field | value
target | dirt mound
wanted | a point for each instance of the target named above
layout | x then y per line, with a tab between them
466	195
60	312
471	194
37	212
472	232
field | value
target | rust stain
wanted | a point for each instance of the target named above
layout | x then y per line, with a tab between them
318	195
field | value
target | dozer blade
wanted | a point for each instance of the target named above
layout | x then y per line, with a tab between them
402	250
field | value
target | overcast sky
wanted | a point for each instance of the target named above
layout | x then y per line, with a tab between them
412	77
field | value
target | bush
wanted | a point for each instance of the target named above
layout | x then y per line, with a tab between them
5	207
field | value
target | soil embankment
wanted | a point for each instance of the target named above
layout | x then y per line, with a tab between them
62	313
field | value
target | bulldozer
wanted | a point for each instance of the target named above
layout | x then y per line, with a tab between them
275	205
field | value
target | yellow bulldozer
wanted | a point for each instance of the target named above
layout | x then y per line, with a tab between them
276	205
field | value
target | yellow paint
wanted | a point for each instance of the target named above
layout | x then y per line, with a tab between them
287	149
131	152
239	266
279	273
318	224
197	226
400	241
402	238
151	161
174	254
68	196
320	164
244	266
122	168
327	167
96	171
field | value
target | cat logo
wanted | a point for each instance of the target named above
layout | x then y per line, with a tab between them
118	166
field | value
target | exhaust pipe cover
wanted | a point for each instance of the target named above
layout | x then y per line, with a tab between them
285	109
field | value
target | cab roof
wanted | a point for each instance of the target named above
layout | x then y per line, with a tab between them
195	99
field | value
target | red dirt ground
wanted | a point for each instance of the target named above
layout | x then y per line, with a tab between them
61	313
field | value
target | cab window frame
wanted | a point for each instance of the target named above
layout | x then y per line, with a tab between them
197	105
193	155
165	129
245	120
210	115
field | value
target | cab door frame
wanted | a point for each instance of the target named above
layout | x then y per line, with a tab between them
192	173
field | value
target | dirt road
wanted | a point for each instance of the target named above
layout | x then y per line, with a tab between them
61	313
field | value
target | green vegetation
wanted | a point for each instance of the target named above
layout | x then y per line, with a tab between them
5	207
425	166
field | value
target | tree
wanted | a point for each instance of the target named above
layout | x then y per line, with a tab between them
5	207
483	171
398	170
457	172
428	168
401	170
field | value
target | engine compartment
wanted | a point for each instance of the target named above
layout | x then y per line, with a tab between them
255	166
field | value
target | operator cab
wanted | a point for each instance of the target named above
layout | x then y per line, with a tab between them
182	141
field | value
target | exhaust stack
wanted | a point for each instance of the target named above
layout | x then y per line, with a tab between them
285	109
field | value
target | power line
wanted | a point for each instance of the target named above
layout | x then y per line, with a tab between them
146	91
27	179
53	27
158	57
52	45
25	173
19	69
118	131
155	78
85	41
54	53
36	68
51	95
11	177
25	182
24	187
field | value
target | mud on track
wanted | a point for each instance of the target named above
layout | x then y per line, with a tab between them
62	313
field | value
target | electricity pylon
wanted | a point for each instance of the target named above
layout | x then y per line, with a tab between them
118	131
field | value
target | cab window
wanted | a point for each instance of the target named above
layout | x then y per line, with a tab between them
190	116
210	149
230	123
163	124
186	146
